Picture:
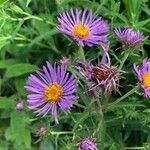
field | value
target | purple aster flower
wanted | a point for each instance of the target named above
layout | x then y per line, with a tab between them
52	88
84	27
88	144
129	37
103	75
143	74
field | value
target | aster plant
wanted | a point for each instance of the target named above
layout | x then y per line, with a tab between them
143	74
50	89
97	101
85	28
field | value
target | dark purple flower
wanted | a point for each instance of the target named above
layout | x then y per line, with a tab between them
52	88
87	144
103	75
84	27
129	37
20	106
143	74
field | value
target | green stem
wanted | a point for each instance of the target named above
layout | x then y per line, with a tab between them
79	105
123	60
135	148
113	104
81	53
101	128
33	17
60	133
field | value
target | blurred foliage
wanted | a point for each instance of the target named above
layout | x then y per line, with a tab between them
28	37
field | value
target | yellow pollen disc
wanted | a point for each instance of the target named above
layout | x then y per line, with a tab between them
82	31
146	79
53	92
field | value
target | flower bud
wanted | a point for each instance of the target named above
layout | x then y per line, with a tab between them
42	131
20	106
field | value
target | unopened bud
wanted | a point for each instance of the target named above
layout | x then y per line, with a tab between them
20	106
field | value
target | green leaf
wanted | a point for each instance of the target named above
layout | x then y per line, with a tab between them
6	103
143	23
18	126
28	2
16	9
7	63
8	134
27	138
147	111
19	84
3	145
20	69
45	36
17	29
47	144
2	1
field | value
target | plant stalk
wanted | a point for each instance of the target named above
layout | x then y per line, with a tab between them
122	98
81	53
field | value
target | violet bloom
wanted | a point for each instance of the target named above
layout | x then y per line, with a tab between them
143	74
85	28
103	75
129	37
87	144
52	88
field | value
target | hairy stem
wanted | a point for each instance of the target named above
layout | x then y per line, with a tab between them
100	131
81	53
62	132
123	60
122	98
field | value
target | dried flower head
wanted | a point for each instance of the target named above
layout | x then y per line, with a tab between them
104	75
84	27
53	88
88	144
143	74
129	37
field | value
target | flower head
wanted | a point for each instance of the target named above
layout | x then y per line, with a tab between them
129	37
52	88
20	106
104	75
143	74
87	144
84	27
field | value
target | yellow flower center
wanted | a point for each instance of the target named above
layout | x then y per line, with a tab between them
53	92
82	31
146	79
